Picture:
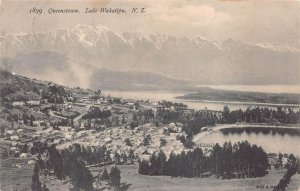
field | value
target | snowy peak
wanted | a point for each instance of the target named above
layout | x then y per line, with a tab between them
198	58
281	48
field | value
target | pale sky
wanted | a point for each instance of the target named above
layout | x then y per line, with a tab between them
274	22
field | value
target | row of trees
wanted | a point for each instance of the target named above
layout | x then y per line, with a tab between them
169	104
261	115
238	160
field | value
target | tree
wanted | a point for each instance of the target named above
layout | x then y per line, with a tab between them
143	167
115	176
24	148
131	156
189	144
216	159
124	158
162	161
36	184
127	142
147	140
104	176
226	114
81	177
117	158
44	188
163	142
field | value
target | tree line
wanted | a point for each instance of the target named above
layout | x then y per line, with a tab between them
261	115
228	161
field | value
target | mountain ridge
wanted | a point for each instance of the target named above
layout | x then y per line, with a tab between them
183	58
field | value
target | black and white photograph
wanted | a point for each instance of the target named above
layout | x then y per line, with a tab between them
149	95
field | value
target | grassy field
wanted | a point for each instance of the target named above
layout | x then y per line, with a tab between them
294	184
139	182
15	174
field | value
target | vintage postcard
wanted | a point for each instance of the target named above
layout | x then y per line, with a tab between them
150	95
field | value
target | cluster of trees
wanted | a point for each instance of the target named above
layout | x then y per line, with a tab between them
147	140
142	117
192	121
123	158
70	163
89	155
97	124
28	119
54	94
113	177
198	120
96	113
238	160
36	184
261	115
293	167
169	104
5	91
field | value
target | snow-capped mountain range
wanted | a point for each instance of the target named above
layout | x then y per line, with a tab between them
83	51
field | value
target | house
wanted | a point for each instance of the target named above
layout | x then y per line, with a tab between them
82	134
18	104
38	123
69	137
107	140
24	155
145	157
206	174
68	106
130	103
57	141
33	103
10	132
15	138
65	128
31	162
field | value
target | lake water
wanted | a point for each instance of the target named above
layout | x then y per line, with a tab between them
155	96
269	142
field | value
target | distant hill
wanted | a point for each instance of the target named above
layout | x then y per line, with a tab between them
238	96
19	88
115	80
